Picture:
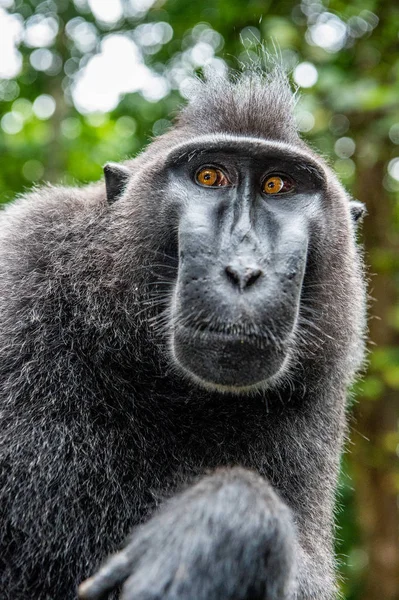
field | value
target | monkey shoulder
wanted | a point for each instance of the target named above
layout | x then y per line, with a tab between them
39	226
44	240
46	211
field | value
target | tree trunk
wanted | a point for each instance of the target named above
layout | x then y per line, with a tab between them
375	458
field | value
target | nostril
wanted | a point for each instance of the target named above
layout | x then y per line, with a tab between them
233	275
242	277
253	276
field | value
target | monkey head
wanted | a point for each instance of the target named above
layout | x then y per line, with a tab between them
251	223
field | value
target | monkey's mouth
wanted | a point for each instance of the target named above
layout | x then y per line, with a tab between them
229	333
227	356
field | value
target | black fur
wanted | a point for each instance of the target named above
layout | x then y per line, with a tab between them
98	423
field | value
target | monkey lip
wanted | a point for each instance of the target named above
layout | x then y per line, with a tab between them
230	334
227	359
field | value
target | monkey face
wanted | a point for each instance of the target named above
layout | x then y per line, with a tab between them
245	212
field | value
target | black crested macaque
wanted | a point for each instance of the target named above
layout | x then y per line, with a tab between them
176	344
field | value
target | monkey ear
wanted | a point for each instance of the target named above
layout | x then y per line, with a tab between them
116	177
358	210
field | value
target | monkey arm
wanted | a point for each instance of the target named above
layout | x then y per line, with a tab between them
229	536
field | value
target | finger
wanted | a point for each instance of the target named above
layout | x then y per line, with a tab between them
115	571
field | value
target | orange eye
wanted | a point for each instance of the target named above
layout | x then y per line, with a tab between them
212	177
277	185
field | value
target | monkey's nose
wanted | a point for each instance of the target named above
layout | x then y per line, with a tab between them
242	277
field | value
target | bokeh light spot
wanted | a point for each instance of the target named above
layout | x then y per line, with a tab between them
71	128
11	32
393	168
305	74
161	126
125	126
250	36
107	11
9	90
44	106
23	107
33	170
339	124
394	133
344	147
305	121
201	53
329	32
82	33
40	31
345	168
12	123
41	59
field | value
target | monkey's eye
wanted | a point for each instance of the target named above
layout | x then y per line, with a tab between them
277	184
211	177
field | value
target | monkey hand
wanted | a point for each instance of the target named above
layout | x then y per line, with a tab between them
229	536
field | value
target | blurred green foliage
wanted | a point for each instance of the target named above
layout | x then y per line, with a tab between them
343	58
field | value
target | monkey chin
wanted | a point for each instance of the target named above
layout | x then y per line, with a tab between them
229	364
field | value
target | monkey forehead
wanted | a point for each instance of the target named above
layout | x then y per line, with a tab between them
252	147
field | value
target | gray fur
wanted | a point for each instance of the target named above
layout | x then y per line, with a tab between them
98	423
